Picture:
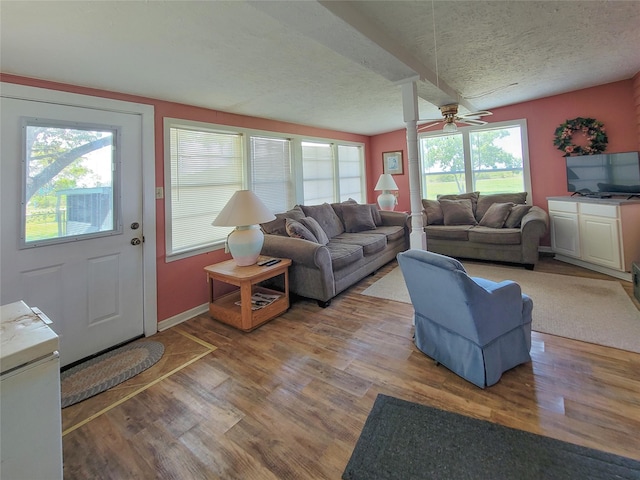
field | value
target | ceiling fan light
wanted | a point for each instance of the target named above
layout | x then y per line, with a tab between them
450	127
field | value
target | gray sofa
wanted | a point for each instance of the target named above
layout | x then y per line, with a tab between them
497	227
333	246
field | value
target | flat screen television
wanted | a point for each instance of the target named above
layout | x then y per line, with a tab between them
604	175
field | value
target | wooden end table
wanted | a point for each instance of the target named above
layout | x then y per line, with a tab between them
243	317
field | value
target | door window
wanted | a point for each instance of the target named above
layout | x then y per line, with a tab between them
70	182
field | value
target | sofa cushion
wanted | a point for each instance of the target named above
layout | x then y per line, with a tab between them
392	232
357	218
485	201
326	217
516	215
344	254
473	196
498	236
458	212
455	232
370	242
496	215
296	229
278	226
315	228
433	211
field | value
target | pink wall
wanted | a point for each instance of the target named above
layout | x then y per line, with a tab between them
636	103
613	104
182	284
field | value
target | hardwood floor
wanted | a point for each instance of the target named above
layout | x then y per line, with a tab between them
288	400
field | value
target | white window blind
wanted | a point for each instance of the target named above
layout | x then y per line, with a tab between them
206	168
350	166
318	173
271	178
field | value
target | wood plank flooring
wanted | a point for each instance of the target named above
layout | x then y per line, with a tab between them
288	400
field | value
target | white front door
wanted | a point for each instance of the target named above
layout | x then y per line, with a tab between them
72	246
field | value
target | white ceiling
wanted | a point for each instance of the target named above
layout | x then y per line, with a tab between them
335	64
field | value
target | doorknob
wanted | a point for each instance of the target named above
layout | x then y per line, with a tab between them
135	226
135	241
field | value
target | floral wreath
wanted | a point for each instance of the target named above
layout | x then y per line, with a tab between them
590	128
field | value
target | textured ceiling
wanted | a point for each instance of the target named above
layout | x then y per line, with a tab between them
336	65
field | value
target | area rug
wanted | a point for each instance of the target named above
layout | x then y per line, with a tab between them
405	440
585	309
107	370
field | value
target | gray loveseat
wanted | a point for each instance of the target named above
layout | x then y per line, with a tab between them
333	246
497	227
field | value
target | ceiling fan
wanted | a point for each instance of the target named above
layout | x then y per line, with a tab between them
450	117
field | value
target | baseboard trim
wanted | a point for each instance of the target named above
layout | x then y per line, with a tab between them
182	317
596	268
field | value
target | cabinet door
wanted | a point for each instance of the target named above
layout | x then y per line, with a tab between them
565	235
601	241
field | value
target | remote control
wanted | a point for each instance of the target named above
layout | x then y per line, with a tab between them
272	262
265	262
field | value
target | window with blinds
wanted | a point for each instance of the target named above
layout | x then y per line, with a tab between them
318	173
351	174
206	168
271	174
205	164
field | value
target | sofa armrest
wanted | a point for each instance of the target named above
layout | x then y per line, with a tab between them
535	222
300	251
394	218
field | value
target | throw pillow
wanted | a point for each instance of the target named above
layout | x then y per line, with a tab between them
473	196
496	215
485	201
296	230
326	217
314	227
357	218
433	211
278	226
458	212
517	214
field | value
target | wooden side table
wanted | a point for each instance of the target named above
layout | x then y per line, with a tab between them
243	316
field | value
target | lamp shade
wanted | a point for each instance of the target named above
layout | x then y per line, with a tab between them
243	208
386	182
386	200
244	211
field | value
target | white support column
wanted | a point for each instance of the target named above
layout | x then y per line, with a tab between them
417	238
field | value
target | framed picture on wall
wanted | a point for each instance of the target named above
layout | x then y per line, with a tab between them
392	162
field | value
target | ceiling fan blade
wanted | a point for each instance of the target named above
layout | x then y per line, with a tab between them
471	121
424	127
481	113
426	120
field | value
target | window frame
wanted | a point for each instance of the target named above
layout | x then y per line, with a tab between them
116	132
247	182
466	145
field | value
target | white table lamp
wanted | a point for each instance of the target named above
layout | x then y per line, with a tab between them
386	200
244	211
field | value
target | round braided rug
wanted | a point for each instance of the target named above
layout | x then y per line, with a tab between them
107	370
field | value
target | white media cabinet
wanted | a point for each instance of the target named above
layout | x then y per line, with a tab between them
601	234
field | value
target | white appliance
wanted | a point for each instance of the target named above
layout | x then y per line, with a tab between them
30	413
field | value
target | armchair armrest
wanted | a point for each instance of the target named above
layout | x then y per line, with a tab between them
500	310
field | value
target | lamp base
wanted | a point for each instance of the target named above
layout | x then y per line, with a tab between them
245	244
387	201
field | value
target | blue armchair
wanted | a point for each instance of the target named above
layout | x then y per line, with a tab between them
475	327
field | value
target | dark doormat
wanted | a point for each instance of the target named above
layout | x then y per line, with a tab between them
405	440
